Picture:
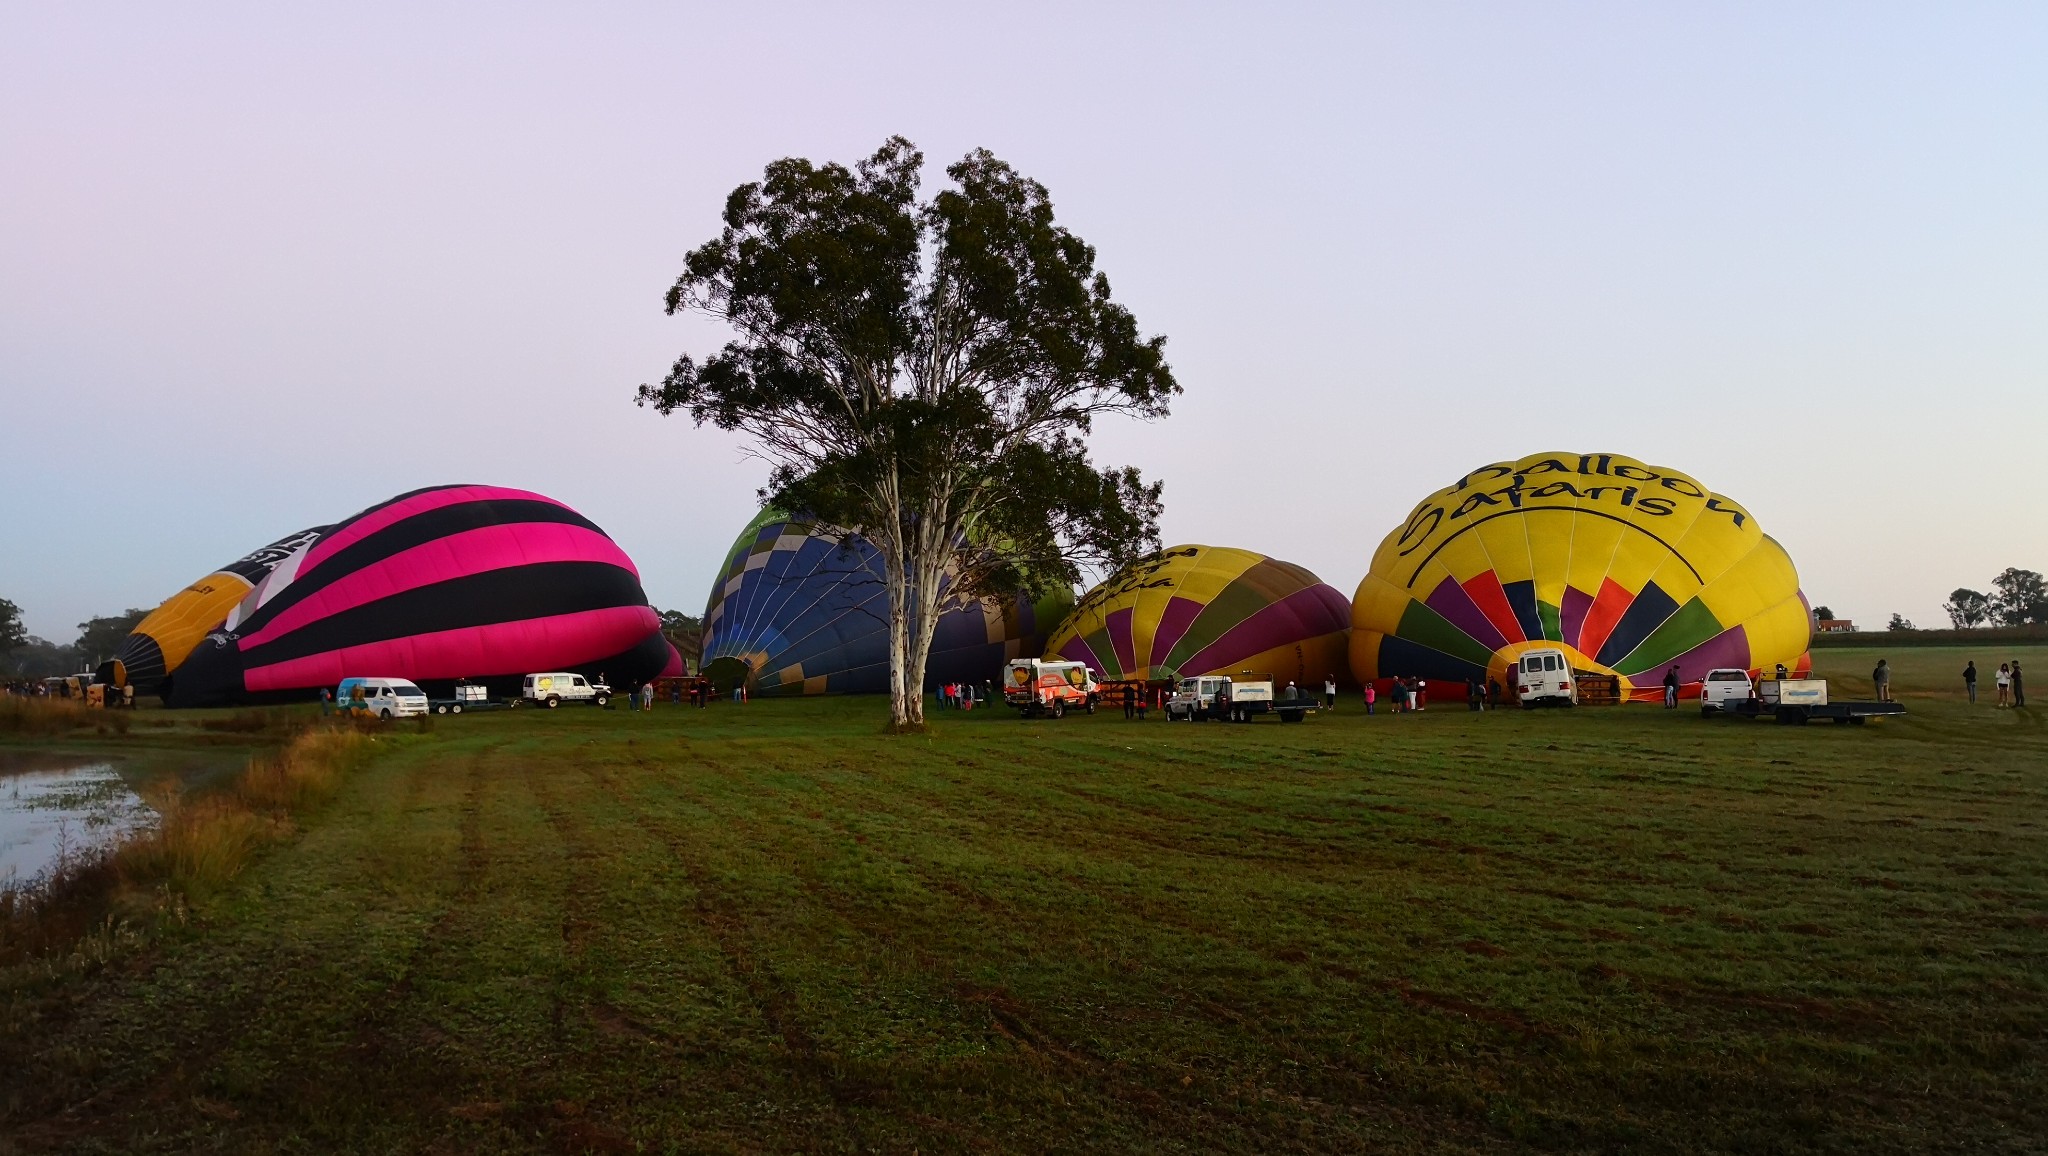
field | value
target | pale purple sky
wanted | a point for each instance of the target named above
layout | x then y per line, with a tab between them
261	266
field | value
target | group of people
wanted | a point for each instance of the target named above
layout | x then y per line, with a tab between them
964	695
2012	687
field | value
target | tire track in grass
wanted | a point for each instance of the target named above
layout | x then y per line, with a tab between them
1012	1017
1007	1016
726	926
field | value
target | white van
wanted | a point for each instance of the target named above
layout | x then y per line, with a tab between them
385	698
1544	678
557	687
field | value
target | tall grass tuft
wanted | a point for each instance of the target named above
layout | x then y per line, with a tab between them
305	773
42	716
196	847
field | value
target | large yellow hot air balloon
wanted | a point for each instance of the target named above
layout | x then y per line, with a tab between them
1629	568
1190	610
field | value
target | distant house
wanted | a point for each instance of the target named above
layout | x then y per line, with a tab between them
1835	626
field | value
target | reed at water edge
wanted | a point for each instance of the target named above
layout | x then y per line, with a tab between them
198	845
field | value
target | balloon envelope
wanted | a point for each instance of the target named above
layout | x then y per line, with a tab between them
1629	568
1191	610
476	582
800	610
160	643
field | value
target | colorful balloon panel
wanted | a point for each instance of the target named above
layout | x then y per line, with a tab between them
1629	568
477	582
160	643
798	610
1192	610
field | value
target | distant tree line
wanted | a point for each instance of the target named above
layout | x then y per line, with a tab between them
2017	598
23	655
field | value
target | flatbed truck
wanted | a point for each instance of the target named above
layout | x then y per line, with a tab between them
1798	701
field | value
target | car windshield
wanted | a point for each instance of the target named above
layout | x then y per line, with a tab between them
405	688
1190	683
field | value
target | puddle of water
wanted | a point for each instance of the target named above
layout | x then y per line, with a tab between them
52	810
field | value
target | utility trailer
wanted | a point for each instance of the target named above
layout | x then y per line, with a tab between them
1798	701
468	696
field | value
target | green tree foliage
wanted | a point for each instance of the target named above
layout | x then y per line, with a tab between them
685	633
99	639
2019	598
1900	622
12	633
1823	614
38	658
924	374
1967	608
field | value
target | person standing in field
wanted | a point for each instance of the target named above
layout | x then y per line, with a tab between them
1329	692
1130	702
1881	678
1370	695
1671	688
1970	681
1421	692
2019	689
2004	680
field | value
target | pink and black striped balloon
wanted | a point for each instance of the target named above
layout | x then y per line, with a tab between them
452	582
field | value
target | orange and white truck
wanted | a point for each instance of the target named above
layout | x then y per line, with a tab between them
1037	687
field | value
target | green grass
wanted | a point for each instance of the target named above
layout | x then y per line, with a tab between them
771	928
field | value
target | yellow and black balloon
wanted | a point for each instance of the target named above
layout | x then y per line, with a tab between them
1629	568
162	641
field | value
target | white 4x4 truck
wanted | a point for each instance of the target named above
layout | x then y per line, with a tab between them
553	689
1037	687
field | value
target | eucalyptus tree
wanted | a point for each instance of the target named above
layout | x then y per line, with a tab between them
924	374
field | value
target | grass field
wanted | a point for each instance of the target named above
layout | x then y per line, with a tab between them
771	928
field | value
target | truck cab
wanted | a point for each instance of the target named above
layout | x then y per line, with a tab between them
1198	697
1543	677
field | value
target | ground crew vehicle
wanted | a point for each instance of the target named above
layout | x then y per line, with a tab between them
1197	698
1037	687
385	698
557	687
1544	678
1238	699
1723	687
1798	701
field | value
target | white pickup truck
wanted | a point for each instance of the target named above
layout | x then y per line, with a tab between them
1793	701
1238	699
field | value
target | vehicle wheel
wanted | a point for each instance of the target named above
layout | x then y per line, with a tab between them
553	701
1091	706
441	710
1791	716
1706	712
1059	710
602	699
456	709
1290	716
386	714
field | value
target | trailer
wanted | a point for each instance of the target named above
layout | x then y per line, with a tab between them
468	697
1798	701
